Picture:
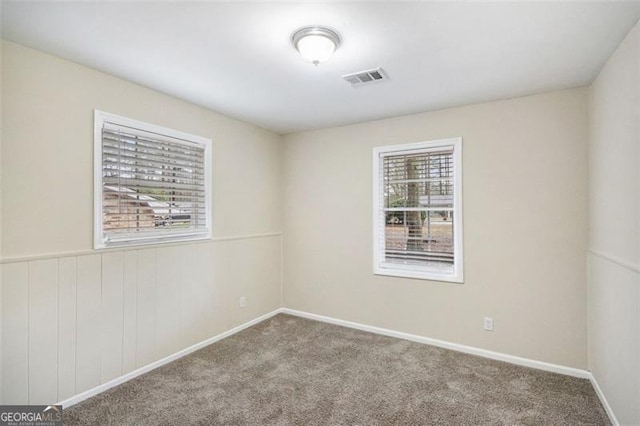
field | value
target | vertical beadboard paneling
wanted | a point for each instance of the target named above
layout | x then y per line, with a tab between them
265	270
67	272
112	315
204	305
169	267
241	277
72	323
88	325
14	333
188	311
1	393
222	283
255	283
43	331
614	291
146	300
129	293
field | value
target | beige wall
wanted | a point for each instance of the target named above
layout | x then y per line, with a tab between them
47	166
525	228
614	240
525	218
73	319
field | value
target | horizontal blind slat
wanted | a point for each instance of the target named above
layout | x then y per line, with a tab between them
142	177
127	158
153	185
113	162
147	137
137	223
143	183
136	149
133	202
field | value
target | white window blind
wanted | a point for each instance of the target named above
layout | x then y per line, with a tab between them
418	227
153	183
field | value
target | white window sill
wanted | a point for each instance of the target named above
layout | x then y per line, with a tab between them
421	275
151	241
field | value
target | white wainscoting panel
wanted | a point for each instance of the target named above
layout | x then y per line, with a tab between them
43	331
14	333
67	278
112	314
73	323
614	334
187	301
168	282
88	322
146	312
129	310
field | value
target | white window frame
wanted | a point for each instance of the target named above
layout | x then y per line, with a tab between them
417	271
99	241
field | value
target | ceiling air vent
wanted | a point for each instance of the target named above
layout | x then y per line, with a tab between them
368	76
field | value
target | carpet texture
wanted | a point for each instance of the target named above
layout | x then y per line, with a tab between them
292	371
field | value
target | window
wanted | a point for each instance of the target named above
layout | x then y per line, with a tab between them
151	184
418	210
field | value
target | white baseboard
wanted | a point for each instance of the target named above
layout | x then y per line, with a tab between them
526	362
604	401
125	378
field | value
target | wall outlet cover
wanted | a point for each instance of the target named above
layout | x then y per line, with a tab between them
488	324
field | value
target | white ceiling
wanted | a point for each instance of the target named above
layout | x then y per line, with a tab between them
237	58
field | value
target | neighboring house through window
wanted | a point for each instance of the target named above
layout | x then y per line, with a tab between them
152	184
418	210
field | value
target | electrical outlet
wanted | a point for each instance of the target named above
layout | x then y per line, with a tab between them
243	302
488	324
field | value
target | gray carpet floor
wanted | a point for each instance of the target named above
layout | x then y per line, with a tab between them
293	371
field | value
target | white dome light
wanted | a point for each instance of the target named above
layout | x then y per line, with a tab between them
316	44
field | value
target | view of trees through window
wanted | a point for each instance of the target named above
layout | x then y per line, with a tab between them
418	207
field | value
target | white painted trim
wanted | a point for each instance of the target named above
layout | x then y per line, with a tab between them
281	272
130	248
603	400
526	362
615	260
98	121
400	272
458	251
539	365
142	370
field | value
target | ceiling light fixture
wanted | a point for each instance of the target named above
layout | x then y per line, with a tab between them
316	44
